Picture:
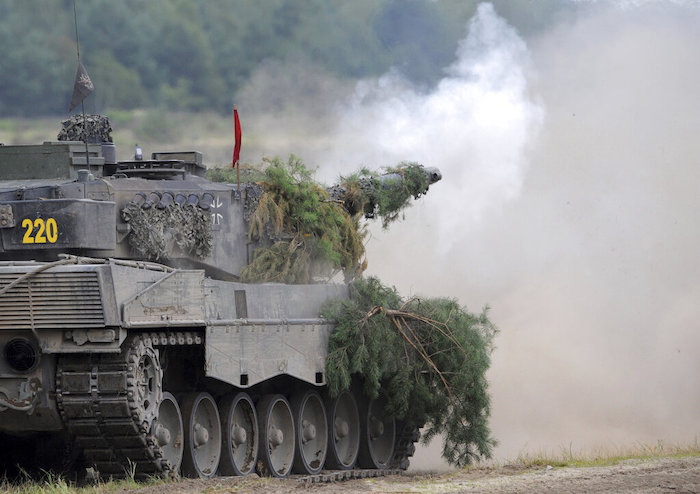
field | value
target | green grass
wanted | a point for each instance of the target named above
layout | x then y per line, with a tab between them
59	485
51	483
29	131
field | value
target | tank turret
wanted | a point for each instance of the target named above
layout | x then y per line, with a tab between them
160	209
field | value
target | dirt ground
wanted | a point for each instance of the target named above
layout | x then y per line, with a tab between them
660	475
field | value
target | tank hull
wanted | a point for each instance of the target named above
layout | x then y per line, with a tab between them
92	308
90	346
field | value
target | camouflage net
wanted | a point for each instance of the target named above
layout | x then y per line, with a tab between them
98	129
155	232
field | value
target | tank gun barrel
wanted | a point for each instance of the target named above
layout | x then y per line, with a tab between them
387	194
432	175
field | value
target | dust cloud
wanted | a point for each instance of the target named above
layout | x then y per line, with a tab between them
597	285
571	168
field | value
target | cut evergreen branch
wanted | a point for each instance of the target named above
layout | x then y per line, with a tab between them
310	232
309	236
429	355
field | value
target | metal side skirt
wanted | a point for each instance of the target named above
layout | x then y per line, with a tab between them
247	352
175	300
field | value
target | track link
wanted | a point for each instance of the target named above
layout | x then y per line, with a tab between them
101	400
404	447
339	475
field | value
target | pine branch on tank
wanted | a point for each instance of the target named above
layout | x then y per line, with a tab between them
430	355
312	231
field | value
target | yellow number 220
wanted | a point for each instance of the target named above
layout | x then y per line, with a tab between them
46	231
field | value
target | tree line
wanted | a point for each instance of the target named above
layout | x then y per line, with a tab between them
195	54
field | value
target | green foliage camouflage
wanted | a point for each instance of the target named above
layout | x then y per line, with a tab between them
310	235
429	355
384	196
312	232
246	172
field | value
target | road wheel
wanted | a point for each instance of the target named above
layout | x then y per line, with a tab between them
311	432
276	433
202	436
343	432
169	433
378	432
239	425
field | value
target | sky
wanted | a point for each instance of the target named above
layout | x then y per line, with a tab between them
568	205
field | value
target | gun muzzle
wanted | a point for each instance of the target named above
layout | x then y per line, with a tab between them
434	174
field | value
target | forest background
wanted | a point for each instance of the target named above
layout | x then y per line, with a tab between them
197	55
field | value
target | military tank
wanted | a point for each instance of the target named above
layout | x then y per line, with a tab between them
128	344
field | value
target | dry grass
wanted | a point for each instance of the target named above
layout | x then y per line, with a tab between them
153	130
606	456
264	135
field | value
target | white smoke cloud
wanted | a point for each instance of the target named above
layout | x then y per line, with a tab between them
598	253
474	126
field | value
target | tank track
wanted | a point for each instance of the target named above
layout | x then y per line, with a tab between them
404	448
327	476
97	398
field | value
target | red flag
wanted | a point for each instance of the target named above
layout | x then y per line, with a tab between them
238	133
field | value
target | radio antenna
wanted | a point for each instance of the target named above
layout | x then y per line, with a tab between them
82	101
75	23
